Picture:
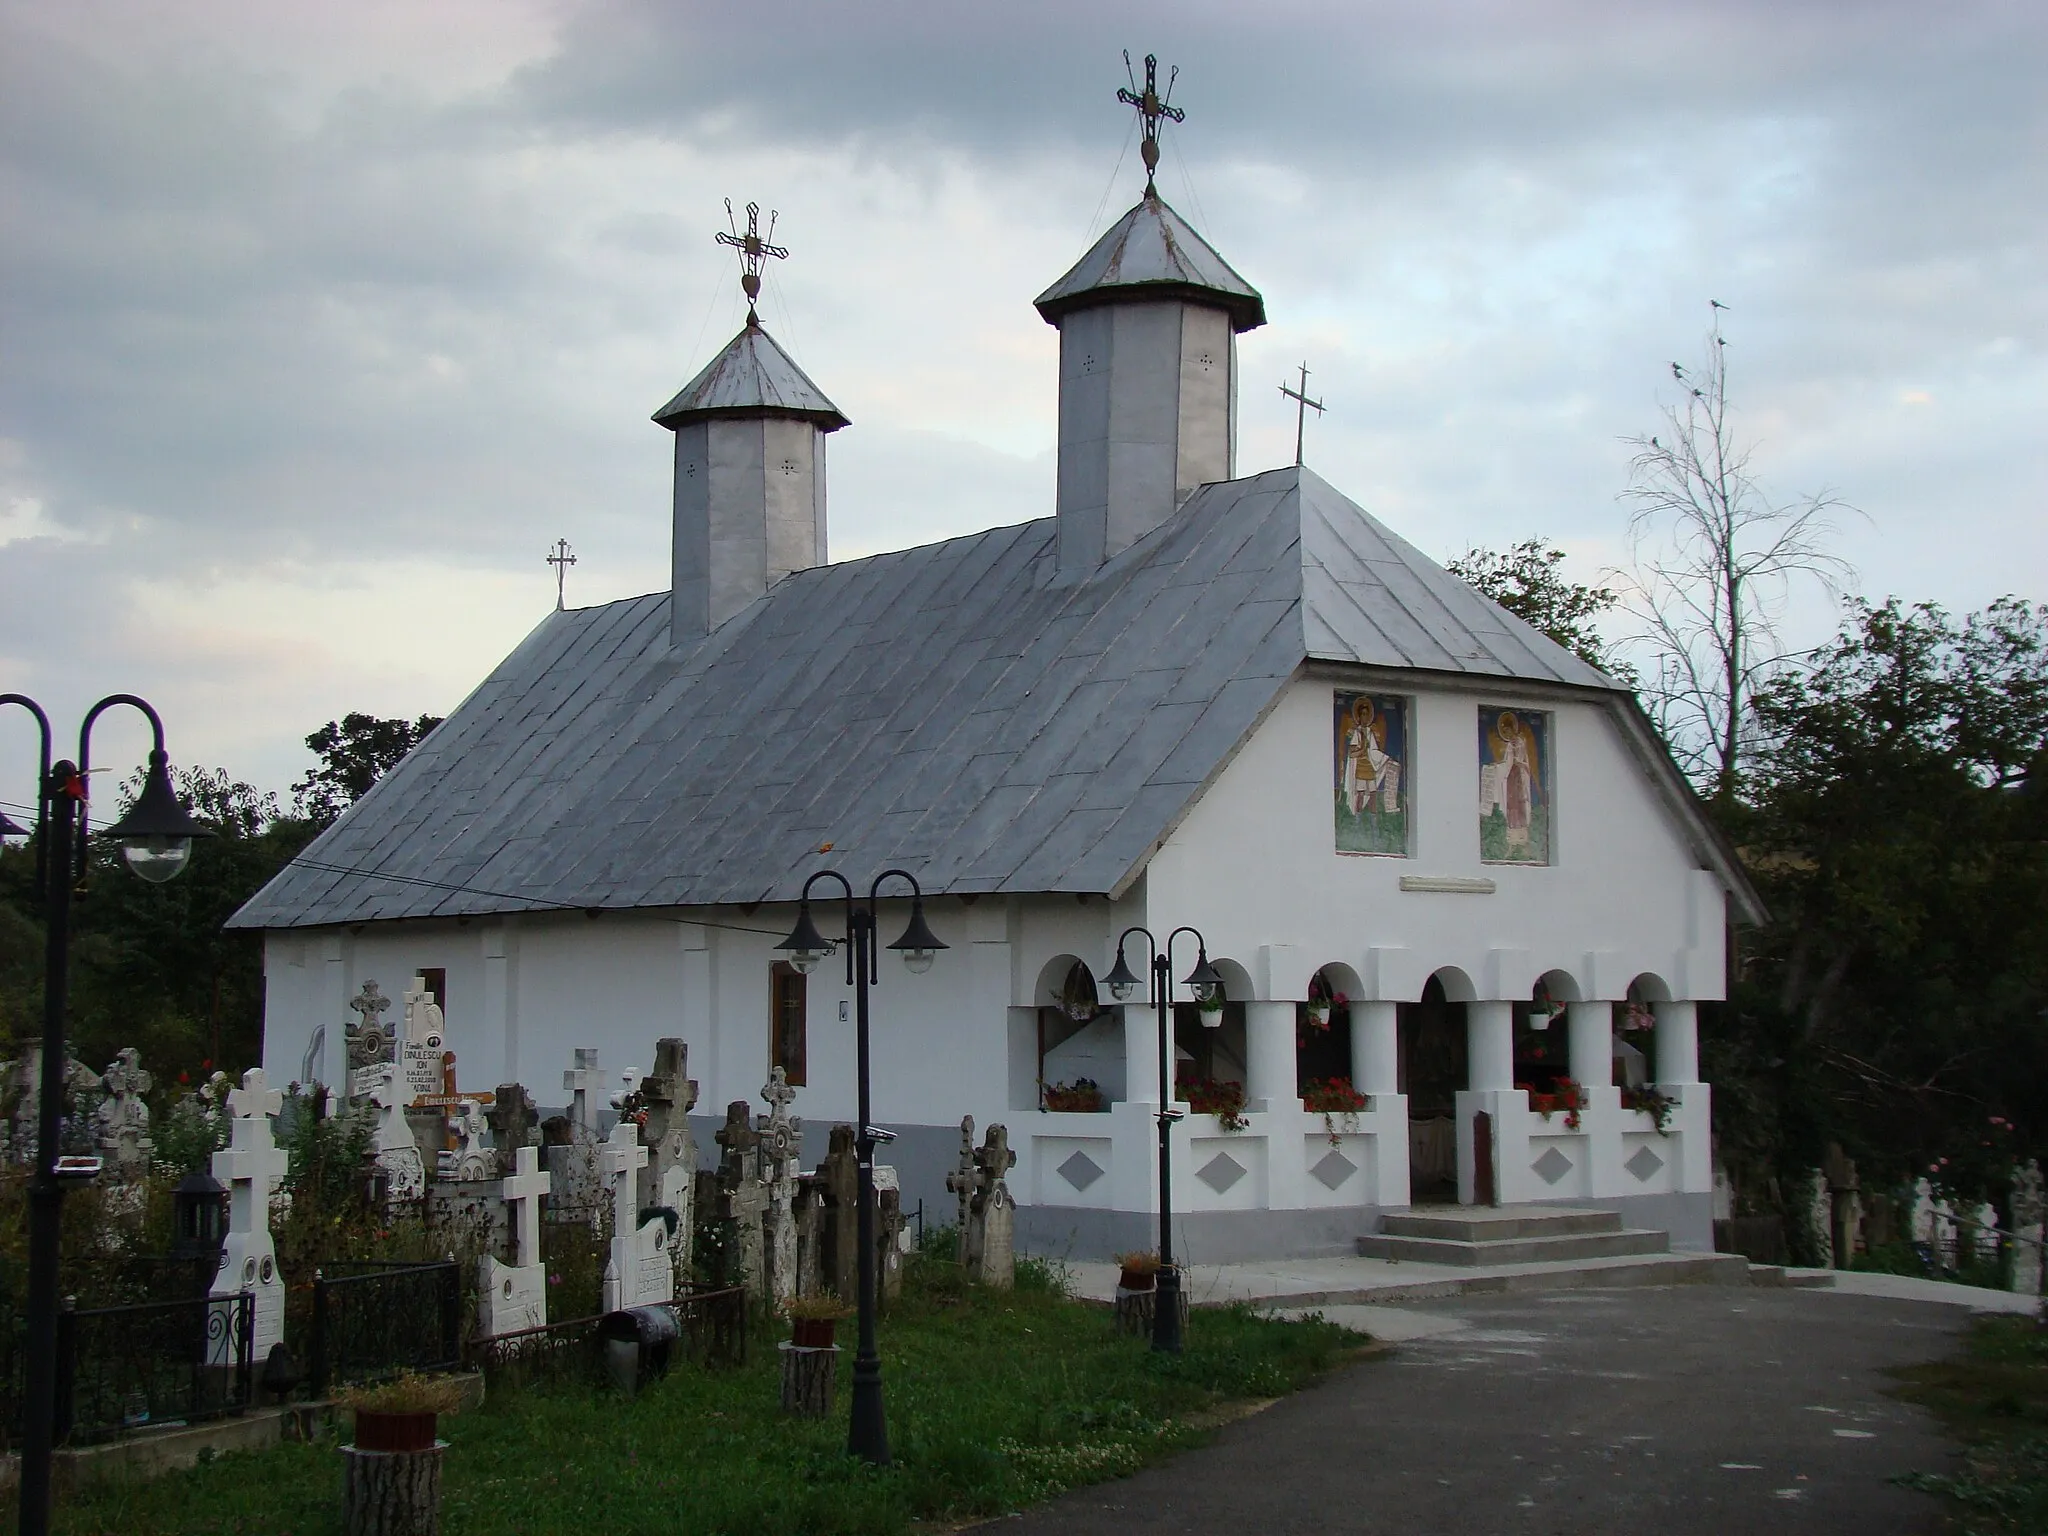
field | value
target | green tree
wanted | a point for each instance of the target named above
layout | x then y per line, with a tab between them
1529	581
355	752
1897	823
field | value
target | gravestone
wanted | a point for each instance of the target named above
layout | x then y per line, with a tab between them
513	1297
573	1159
419	1054
584	1082
21	1083
639	1271
961	1181
745	1196
988	1243
807	1212
121	1122
889	1234
2029	1225
469	1159
392	1147
514	1124
667	1095
248	1165
780	1147
370	1041
838	1181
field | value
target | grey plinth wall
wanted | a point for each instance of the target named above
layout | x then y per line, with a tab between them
1148	412
749	509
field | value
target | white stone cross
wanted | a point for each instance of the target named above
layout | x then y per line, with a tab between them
521	1193
250	1156
582	1081
255	1097
618	1160
247	1165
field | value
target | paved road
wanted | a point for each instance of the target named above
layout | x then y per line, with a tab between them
1654	1412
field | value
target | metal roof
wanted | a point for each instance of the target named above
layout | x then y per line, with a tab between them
946	708
752	374
1152	251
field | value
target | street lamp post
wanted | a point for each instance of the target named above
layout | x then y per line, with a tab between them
156	840
1203	983
868	1435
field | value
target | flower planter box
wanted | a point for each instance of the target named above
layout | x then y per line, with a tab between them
813	1332
382	1430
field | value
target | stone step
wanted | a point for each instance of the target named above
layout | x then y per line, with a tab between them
1562	1248
1476	1223
1778	1277
1583	1274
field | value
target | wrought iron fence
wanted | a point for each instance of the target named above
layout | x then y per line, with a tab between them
375	1319
153	1363
715	1323
712	1325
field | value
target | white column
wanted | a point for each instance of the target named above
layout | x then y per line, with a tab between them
1490	1046
1375	1048
1269	1054
1592	1044
1678	1043
1141	1054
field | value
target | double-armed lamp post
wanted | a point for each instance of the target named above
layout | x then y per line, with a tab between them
1204	984
868	1436
156	840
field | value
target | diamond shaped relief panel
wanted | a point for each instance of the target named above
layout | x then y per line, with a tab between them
1644	1164
1552	1166
1220	1172
1333	1170
1080	1170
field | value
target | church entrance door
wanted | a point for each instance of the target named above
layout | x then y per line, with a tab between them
1432	1041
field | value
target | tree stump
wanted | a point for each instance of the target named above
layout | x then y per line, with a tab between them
391	1493
1134	1312
808	1377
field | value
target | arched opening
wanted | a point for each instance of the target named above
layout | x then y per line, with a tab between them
1433	1069
1080	1043
1209	1056
1322	1028
1542	1043
1635	1031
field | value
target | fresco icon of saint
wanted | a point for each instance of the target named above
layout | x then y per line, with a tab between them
1514	786
1372	776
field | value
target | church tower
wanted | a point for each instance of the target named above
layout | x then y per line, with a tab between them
1148	324
750	465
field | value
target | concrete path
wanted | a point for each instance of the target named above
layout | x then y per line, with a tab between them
1679	1410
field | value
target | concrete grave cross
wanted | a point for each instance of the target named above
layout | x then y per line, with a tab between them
521	1192
960	1182
255	1097
618	1160
511	1118
583	1082
370	1006
123	1117
736	1139
248	1165
249	1157
781	1136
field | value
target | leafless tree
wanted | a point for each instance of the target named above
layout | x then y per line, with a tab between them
1713	562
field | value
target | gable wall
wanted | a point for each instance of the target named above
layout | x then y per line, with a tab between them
1254	864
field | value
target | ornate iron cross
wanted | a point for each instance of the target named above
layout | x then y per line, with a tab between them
755	248
561	560
1151	107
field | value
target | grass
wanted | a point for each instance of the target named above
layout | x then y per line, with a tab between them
1994	1399
995	1400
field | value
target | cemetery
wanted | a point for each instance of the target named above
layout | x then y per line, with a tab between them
300	1259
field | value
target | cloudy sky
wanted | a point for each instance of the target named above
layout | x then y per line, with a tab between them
320	322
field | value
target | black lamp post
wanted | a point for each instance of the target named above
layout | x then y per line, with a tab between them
868	1437
1204	983
156	840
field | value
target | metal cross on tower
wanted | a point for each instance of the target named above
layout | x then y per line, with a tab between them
1302	406
561	560
1151	107
755	248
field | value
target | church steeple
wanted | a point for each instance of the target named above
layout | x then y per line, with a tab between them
750	464
1148	324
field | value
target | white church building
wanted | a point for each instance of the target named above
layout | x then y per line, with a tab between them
1441	864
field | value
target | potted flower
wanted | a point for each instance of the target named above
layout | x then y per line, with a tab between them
1650	1101
1320	1006
1082	1096
1208	1096
1211	1009
1637	1017
1565	1097
400	1414
1331	1097
1137	1271
813	1319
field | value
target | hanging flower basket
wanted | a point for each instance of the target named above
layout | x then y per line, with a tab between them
1212	1015
1319	1013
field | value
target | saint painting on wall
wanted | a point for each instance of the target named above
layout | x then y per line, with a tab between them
1514	786
1372	773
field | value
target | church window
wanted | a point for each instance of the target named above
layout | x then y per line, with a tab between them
1374	774
435	980
787	1020
1515	800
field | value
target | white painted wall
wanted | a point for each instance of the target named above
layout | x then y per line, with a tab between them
1254	866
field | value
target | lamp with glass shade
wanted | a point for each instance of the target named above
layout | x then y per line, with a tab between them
156	835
